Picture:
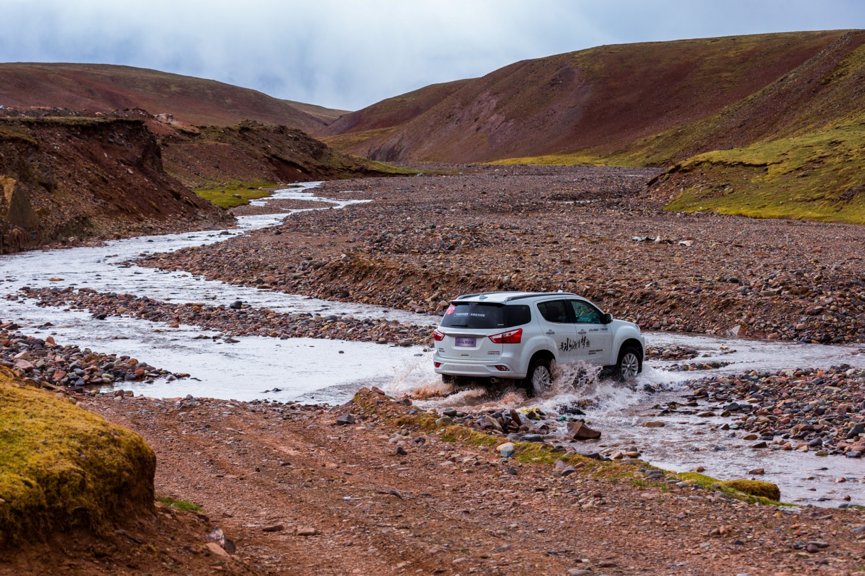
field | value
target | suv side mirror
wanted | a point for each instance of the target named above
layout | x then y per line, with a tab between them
606	318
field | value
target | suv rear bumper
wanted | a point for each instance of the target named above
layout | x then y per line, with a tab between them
476	369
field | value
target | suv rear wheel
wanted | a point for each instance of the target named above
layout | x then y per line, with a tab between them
540	376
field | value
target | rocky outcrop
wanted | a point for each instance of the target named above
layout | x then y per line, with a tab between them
254	151
65	177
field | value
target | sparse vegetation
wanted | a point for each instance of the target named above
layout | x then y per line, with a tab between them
755	491
815	176
235	193
179	504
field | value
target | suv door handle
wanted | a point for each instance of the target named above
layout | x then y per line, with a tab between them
550	332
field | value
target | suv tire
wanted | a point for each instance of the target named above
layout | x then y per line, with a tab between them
540	376
629	363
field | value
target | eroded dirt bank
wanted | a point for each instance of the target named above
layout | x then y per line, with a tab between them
299	493
424	240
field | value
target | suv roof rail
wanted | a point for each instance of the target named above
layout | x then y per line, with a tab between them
462	296
534	294
515	296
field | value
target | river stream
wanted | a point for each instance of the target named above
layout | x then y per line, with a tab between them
313	370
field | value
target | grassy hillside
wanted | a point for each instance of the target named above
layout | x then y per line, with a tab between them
807	160
188	100
816	176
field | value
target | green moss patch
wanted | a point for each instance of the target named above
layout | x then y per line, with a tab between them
63	467
755	488
232	194
179	504
748	490
816	176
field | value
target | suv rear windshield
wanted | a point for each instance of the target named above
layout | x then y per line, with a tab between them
483	315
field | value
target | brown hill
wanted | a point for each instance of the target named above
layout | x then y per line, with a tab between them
105	88
596	102
251	151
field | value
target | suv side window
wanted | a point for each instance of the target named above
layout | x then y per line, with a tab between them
556	311
585	313
517	315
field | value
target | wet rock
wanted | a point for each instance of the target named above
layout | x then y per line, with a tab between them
580	431
653	424
532	438
563	469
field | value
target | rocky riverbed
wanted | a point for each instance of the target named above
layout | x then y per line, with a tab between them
236	319
807	410
423	240
46	361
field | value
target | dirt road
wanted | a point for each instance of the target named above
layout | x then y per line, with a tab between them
299	493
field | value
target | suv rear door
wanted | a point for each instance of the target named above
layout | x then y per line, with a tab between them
558	323
593	332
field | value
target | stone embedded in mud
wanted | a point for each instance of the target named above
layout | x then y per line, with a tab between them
345	419
506	450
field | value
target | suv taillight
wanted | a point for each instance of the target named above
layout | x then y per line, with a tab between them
509	337
438	335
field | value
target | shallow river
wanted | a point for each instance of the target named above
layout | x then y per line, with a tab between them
312	370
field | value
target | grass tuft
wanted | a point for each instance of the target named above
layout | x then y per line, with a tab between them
179	504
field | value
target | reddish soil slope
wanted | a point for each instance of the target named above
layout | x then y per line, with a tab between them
104	88
599	101
72	176
252	151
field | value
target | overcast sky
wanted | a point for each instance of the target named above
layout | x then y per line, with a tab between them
348	54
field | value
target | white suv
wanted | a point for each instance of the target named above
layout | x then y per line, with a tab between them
521	335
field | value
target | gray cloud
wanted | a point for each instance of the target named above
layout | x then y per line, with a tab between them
349	54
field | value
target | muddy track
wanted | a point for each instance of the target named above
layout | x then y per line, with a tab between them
300	494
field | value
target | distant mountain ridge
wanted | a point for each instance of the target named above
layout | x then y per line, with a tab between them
769	125
763	125
189	100
598	101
